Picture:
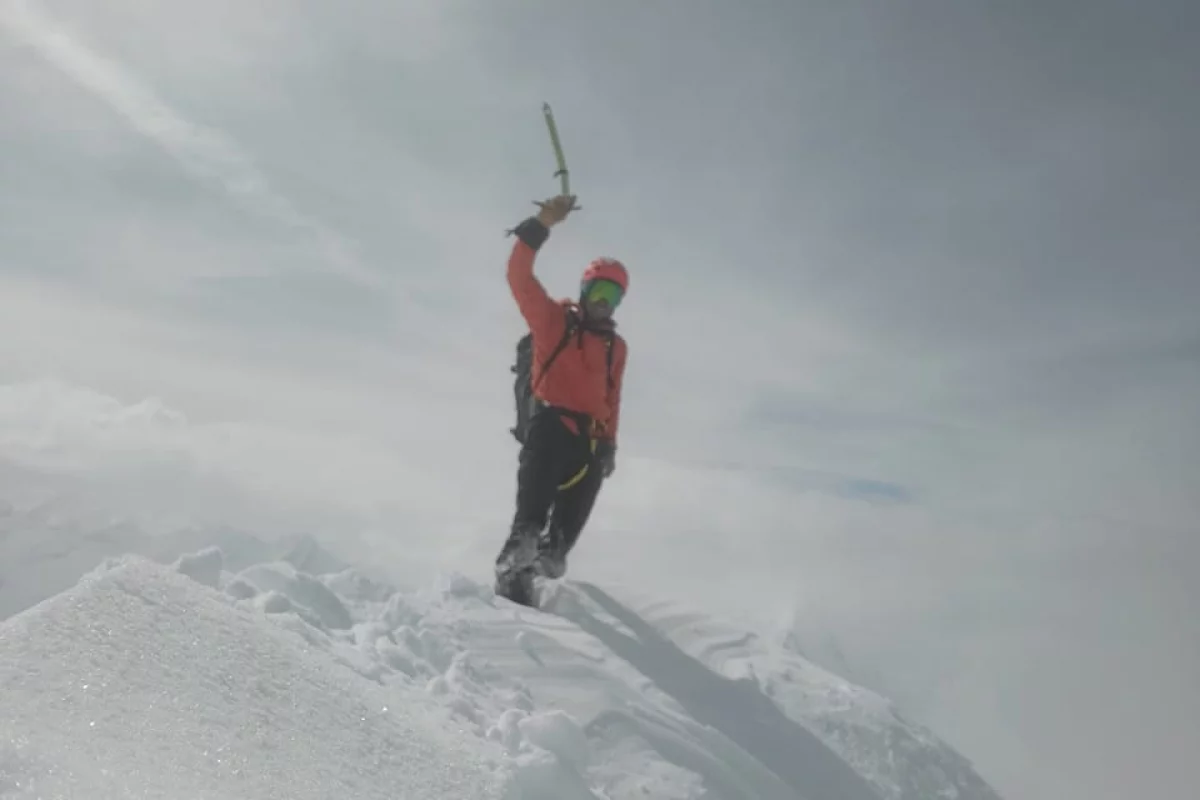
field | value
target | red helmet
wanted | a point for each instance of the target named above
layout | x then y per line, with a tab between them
607	269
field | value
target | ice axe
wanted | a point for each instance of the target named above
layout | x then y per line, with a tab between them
562	173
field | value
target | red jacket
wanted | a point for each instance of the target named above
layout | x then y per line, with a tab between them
578	380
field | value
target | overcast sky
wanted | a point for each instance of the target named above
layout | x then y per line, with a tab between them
914	341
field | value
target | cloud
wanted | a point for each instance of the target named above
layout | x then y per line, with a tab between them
144	459
203	152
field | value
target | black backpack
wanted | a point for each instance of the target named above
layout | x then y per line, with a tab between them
527	404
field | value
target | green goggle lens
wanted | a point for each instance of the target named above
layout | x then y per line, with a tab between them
604	290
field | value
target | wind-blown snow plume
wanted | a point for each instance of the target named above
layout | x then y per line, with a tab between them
205	153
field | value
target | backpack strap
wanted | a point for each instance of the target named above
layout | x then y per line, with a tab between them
609	339
569	328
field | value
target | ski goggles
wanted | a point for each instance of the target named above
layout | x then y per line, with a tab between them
605	290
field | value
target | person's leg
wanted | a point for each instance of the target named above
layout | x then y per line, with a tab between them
572	507
540	465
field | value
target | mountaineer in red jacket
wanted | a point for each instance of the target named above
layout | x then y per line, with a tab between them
575	365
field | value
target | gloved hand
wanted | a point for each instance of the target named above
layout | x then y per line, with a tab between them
606	456
556	209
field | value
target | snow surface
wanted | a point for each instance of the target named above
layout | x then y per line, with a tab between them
140	683
217	678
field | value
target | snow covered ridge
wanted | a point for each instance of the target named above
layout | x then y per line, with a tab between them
193	681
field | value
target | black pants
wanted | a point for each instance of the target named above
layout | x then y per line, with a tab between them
550	457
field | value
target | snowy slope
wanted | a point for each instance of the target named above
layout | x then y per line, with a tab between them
138	683
900	758
206	679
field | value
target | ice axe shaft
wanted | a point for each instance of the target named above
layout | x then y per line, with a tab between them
562	172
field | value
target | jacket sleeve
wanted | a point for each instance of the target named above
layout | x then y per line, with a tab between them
540	311
614	391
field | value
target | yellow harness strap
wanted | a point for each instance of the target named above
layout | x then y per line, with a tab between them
578	476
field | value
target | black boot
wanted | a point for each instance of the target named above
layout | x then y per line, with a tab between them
517	586
552	555
514	566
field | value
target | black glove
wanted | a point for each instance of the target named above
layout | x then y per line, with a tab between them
606	456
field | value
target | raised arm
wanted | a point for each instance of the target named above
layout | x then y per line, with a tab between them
537	307
540	311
